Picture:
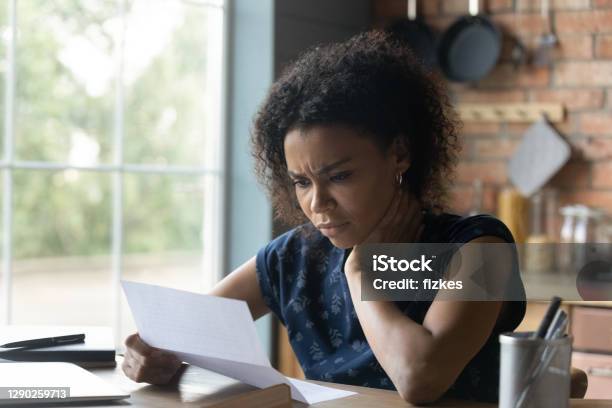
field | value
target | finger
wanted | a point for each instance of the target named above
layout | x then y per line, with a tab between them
161	378
164	377
155	359
126	366
147	355
136	362
158	375
131	340
129	367
149	374
168	359
129	362
135	343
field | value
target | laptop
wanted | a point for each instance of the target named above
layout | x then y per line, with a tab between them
44	383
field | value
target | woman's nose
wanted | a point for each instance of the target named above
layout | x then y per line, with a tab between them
321	201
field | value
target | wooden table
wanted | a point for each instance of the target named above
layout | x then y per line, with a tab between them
198	388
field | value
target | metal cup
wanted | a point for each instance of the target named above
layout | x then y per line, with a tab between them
534	371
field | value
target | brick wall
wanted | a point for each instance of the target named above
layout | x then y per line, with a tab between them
580	78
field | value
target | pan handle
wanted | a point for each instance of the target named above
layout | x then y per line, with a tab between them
474	6
412	10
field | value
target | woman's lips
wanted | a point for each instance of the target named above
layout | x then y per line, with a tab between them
331	230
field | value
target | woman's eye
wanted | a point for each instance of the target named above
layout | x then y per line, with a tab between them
300	183
340	176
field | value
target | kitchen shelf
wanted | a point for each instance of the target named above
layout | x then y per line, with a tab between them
511	112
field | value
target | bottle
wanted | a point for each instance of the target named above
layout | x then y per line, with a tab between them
512	210
566	238
587	221
539	249
551	213
476	207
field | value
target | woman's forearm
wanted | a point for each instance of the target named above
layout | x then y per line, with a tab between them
242	284
405	349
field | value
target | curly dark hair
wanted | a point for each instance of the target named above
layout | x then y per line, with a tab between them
373	84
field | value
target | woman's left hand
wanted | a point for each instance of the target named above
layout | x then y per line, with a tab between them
402	222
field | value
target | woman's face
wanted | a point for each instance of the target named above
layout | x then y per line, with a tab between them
343	182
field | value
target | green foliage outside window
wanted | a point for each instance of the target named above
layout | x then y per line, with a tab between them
65	106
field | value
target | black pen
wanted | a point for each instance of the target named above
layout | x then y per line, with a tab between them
548	317
557	323
47	341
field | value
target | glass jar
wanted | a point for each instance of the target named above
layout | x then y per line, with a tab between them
579	232
539	250
566	238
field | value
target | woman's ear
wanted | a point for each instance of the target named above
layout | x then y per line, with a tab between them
400	151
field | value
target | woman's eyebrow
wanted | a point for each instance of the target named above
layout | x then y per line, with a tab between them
325	169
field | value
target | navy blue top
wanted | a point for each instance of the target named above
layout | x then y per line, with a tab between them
301	277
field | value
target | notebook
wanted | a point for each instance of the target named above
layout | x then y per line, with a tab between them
44	383
98	350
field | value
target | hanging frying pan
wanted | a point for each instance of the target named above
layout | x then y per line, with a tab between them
417	35
469	49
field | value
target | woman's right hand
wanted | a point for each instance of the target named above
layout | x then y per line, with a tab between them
143	363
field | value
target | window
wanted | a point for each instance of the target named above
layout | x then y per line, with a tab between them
112	154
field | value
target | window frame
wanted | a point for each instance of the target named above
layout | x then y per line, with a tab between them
213	172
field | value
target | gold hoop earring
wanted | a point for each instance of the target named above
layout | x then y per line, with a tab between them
399	178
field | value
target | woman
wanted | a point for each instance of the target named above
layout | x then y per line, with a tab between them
356	143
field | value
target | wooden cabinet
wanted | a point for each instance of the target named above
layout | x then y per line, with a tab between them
592	332
598	368
592	329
